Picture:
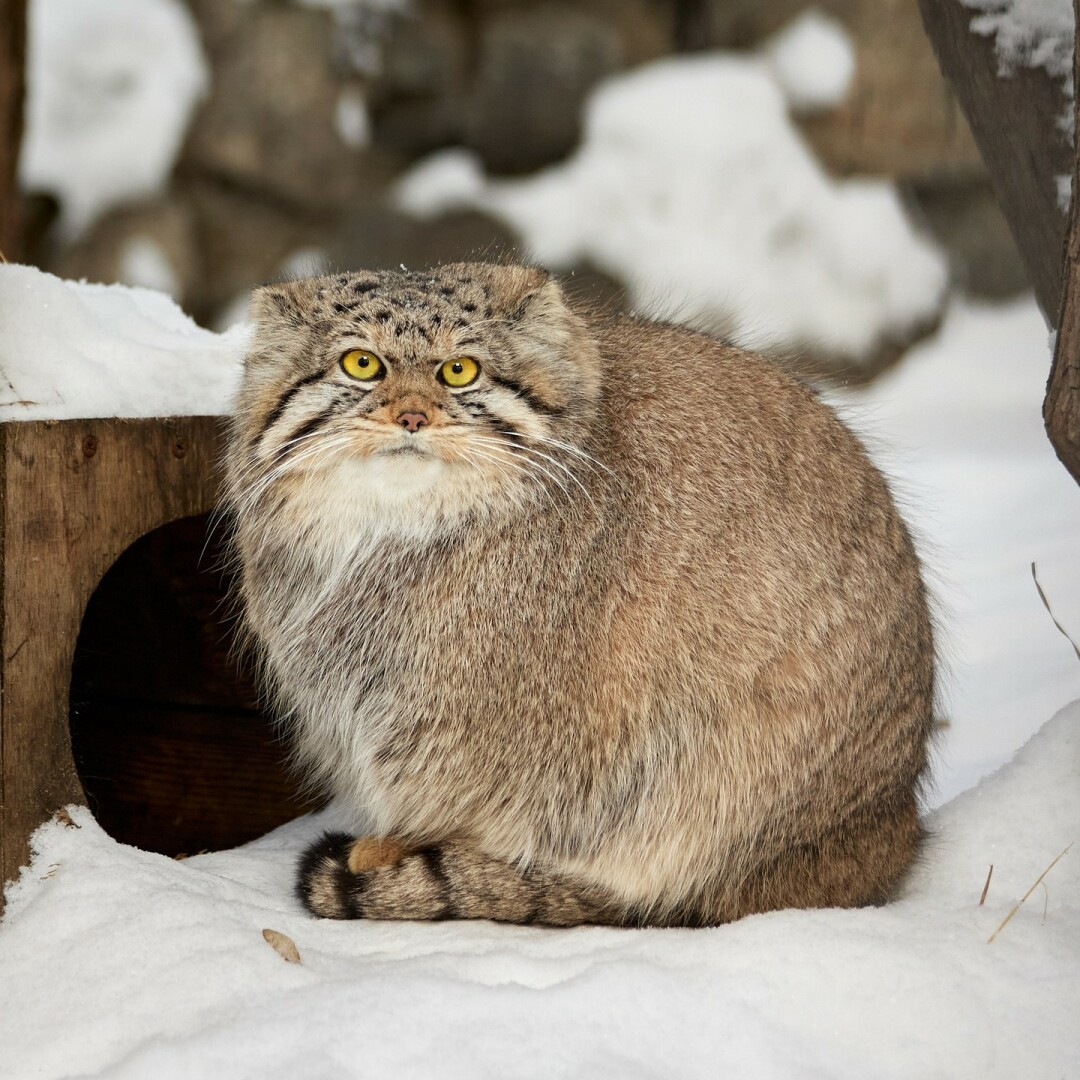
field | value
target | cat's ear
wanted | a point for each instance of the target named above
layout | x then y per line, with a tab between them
278	306
279	318
533	294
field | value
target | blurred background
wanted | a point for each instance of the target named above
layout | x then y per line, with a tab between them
799	178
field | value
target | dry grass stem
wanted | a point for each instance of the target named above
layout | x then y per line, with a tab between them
986	887
1038	882
1046	604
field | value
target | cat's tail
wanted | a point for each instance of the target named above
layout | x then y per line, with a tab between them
376	878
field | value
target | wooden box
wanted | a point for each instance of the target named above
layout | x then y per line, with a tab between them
119	686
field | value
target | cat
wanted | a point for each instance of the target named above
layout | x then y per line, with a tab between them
592	619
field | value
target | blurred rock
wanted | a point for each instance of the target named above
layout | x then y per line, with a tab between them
151	244
271	122
967	221
534	68
899	118
418	103
244	241
376	237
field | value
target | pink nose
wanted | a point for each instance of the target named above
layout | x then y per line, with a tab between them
412	421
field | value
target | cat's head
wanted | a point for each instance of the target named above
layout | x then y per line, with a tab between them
458	387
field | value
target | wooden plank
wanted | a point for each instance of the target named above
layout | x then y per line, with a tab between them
1015	121
1061	409
73	495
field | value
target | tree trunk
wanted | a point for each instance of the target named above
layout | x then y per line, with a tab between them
1016	122
1061	409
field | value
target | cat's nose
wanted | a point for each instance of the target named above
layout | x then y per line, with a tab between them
412	421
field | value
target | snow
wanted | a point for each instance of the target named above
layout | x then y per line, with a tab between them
813	60
118	963
111	86
692	186
1028	33
72	349
351	119
145	263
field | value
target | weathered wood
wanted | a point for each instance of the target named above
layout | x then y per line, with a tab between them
1016	122
1061	409
73	495
12	95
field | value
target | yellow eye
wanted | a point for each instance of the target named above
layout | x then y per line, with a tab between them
361	364
459	372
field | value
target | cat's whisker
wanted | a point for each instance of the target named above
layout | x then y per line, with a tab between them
474	457
502	463
521	448
570	449
534	465
559	465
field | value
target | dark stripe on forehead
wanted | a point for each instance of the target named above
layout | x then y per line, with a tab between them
275	413
534	402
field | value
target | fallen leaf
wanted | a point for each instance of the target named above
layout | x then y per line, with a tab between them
283	945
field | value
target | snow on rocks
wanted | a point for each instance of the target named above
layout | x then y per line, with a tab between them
184	984
111	85
813	60
692	186
70	349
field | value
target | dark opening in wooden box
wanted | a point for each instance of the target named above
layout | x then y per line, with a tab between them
118	683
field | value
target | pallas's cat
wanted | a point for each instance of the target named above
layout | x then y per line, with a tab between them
590	618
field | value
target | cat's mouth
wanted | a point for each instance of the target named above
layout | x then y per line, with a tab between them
406	449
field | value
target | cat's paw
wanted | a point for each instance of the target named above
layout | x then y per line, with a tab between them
371	851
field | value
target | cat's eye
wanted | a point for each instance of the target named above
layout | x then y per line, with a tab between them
361	364
459	372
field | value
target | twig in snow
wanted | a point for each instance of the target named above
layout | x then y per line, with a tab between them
1046	604
986	887
1016	907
